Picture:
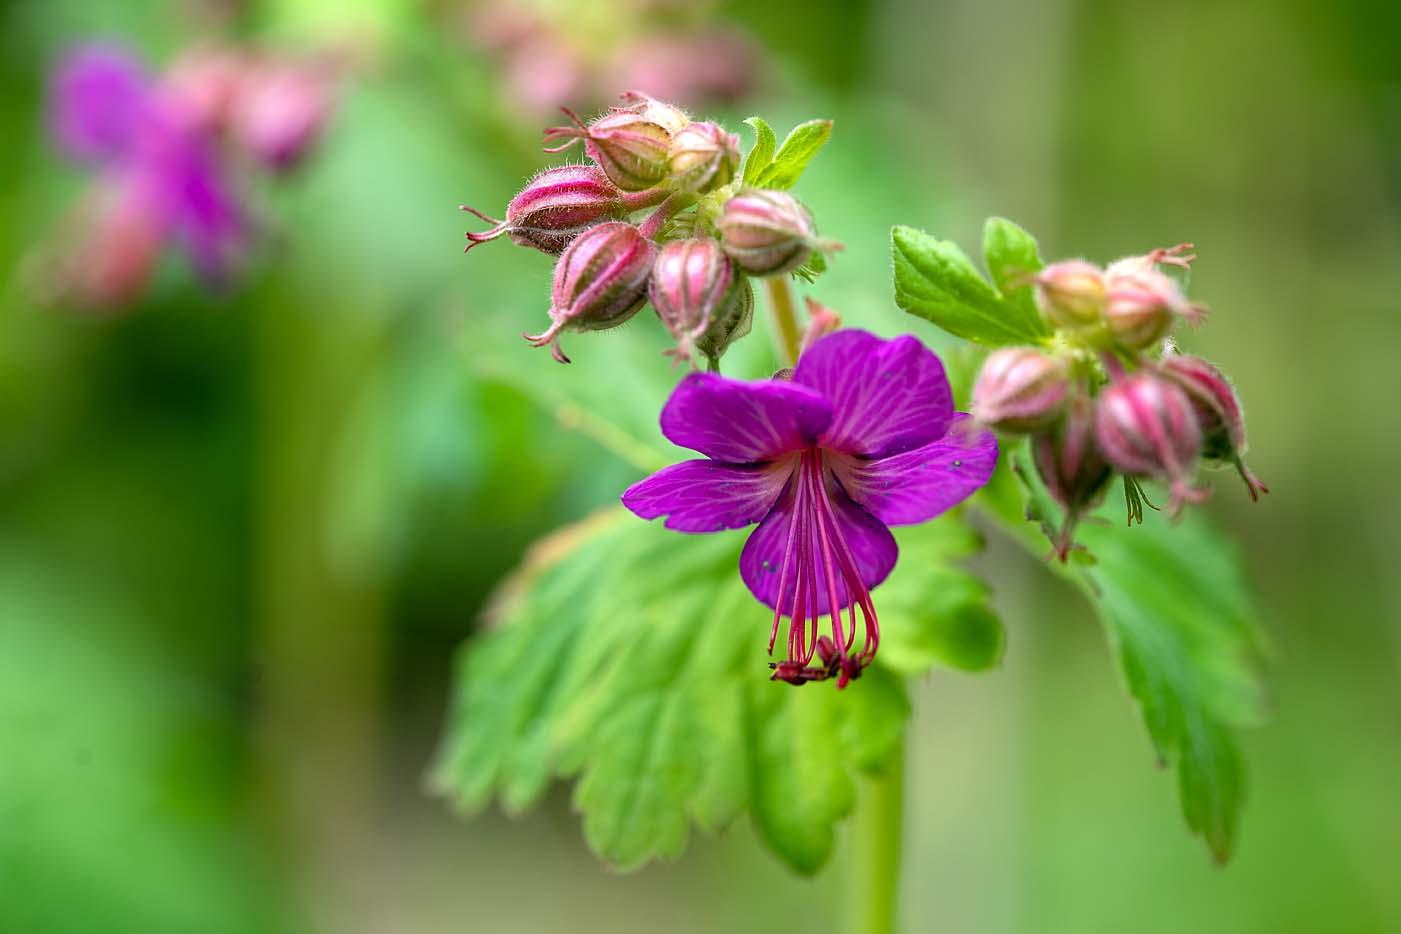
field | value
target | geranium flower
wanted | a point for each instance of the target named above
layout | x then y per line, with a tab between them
861	438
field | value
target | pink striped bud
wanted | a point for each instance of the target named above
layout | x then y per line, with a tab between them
1071	294
1146	427
1020	389
1142	304
1218	412
703	157
1072	467
731	321
632	145
559	204
768	232
600	281
673	119
693	282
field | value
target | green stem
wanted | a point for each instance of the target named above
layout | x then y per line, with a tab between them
876	847
785	318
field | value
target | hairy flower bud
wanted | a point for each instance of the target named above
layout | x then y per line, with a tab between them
632	144
672	118
600	281
691	281
1145	426
1218	413
1071	294
559	204
768	232
731	321
1142	304
1020	389
703	157
1072	467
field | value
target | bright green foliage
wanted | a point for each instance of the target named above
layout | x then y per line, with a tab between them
634	658
936	281
765	168
1176	606
1012	258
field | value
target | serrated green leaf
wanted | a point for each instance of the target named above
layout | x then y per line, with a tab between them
798	148
635	658
1012	258
936	281
1175	604
934	612
761	156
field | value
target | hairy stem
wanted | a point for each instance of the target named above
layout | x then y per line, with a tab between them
877	841
785	318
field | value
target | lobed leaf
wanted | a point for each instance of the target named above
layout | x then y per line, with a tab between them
761	156
634	658
936	281
798	149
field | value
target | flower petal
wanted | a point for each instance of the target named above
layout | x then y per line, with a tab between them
871	544
703	496
918	485
99	103
887	397
743	422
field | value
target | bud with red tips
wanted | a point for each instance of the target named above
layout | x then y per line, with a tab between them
703	157
1020	389
631	145
1072	467
1071	294
1145	426
1218	412
1142	304
600	281
768	232
695	285
559	204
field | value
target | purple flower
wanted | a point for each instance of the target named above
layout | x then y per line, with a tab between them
104	110
863	437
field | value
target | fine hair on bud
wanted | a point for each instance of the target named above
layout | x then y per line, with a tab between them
768	233
1145	426
632	147
703	157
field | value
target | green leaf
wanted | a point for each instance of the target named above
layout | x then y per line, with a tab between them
1176	606
761	156
1012	259
934	612
634	658
934	280
794	155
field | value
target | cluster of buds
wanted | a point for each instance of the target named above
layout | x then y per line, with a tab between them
1109	393
173	153
693	253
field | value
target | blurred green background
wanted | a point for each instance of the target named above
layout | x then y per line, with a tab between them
242	535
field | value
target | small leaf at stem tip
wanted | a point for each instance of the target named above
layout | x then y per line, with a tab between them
793	156
761	156
936	281
1012	259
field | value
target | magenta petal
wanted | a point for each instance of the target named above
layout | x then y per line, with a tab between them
743	422
918	485
871	544
703	496
99	103
887	396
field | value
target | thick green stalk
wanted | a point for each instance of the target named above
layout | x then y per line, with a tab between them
876	846
785	319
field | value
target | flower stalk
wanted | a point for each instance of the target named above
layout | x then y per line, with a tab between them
787	334
876	850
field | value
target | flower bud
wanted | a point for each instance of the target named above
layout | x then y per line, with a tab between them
1145	426
768	232
1218	413
1071	294
631	144
731	321
559	204
600	281
1072	467
280	110
703	157
1020	389
1142	304
691	280
672	118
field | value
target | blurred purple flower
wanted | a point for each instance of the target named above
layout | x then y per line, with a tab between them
863	437
104	110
